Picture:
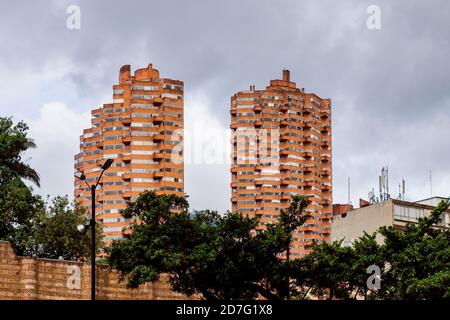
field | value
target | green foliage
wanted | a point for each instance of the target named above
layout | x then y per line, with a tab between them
13	142
19	211
33	227
228	257
419	257
414	263
55	234
19	208
217	256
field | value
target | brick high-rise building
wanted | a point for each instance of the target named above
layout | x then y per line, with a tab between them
281	146
142	130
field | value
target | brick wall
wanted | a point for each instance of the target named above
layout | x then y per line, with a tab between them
25	278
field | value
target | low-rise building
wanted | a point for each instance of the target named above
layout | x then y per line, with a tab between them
397	213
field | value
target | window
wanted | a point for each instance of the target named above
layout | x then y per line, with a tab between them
408	213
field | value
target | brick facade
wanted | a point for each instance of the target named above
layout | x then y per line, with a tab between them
26	278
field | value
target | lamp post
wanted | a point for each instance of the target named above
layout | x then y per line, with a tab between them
92	222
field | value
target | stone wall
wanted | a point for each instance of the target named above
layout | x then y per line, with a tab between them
25	278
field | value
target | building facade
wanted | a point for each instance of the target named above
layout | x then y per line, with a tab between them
396	213
281	146
142	130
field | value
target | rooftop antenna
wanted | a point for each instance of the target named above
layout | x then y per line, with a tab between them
387	181
384	184
372	196
403	188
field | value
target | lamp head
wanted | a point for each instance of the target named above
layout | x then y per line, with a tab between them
107	164
82	228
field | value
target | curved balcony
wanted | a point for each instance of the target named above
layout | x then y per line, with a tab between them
127	194
126	121
126	176
126	157
157	101
126	139
158	156
158	119
158	137
158	175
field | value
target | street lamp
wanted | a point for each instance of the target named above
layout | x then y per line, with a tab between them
82	228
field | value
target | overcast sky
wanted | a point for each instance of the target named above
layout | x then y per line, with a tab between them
390	88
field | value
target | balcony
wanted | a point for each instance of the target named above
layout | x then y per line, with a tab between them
158	175
284	153
286	197
257	109
258	124
126	139
158	156
158	119
284	123
234	170
126	157
126	194
233	112
158	137
259	197
157	101
284	108
285	182
233	126
284	137
99	144
325	143
234	199
258	168
126	121
126	176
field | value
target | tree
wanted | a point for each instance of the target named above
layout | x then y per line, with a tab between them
414	263
19	212
18	206
13	142
327	270
26	221
217	256
55	234
419	259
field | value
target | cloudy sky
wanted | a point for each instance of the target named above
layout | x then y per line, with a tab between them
390	87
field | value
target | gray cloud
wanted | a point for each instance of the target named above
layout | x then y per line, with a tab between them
390	88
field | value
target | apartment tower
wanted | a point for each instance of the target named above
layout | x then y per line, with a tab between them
142	130
281	146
